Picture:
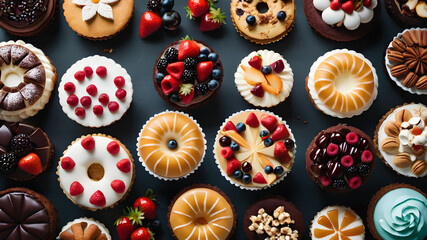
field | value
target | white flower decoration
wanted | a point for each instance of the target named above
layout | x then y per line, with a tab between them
91	7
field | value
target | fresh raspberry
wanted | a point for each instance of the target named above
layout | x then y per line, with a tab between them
101	71
332	149
347	161
113	147
72	100
88	143
118	186
69	87
355	182
104	99
92	90
76	189
80	112
124	165
85	101
226	152
119	81
67	163
367	156
79	76
325	181
88	71
352	138
98	110
120	94
97	199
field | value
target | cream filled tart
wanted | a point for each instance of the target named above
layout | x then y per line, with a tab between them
342	83
84	228
264	78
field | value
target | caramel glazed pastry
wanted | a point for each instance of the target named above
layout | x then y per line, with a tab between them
26	82
85	229
406	60
402	139
263	27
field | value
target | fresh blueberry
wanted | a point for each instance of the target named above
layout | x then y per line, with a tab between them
213	84
263	133
216	73
167	4
266	70
205	51
174	97
246	179
172	144
171	20
278	170
281	15
203	57
268	169
213	57
238	174
251	20
234	146
241	127
268	142
159	77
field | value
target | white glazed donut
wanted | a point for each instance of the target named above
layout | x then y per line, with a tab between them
96	171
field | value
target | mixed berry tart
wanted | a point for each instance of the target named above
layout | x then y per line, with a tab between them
26	17
254	149
340	158
25	151
187	74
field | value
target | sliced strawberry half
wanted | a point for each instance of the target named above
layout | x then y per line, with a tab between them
256	62
230	126
280	132
169	84
175	69
232	165
186	92
252	120
259	178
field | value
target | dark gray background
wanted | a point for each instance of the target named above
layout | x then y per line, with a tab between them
301	48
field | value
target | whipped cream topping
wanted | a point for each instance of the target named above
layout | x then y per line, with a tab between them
408	139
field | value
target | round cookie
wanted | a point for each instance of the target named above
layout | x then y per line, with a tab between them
254	149
337	222
171	145
342	83
187	74
29	18
36	218
401	139
22	147
398	211
215	217
96	172
264	90
340	158
98	19
84	228
95	91
407	16
262	21
404	62
26	82
286	218
342	21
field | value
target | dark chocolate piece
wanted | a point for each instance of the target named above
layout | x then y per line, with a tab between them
30	61
18	53
13	102
24	129
5	136
38	138
43	153
31	93
36	75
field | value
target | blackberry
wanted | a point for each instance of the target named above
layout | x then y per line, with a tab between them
189	76
364	170
171	54
8	163
190	63
201	89
154	5
162	64
20	144
339	184
352	170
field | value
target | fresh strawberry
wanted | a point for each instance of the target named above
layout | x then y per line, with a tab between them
278	66
196	8
88	143
97	199
256	62
169	84
142	233
125	225
188	49
252	120
232	165
150	23
259	178
229	126
175	69
258	91
347	7
204	70
280	149
118	186
269	122
367	3
76	188
31	164
124	165
186	92
335	5
146	204
212	20
280	132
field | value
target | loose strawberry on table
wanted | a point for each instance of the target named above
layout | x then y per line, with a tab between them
160	14
211	18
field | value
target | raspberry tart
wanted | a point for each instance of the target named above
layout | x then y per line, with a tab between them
340	158
25	151
96	172
254	149
84	228
95	91
27	80
187	74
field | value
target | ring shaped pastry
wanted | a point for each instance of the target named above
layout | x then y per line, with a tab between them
171	145
342	83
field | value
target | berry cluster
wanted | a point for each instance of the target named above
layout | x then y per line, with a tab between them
348	6
211	18
341	159
28	11
160	14
188	72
